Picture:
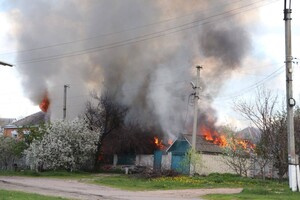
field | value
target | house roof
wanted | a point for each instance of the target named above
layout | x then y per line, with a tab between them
31	120
250	133
5	121
12	126
202	145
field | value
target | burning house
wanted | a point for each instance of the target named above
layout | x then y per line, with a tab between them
147	68
211	155
144	63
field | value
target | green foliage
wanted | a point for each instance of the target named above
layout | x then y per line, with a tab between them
19	147
194	159
10	151
9	195
35	133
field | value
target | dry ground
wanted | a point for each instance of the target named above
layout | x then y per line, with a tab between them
76	190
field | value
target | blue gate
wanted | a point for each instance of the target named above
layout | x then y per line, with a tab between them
157	160
179	163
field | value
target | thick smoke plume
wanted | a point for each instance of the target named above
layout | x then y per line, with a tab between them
142	52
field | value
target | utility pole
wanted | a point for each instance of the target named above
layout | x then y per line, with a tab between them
196	88
292	160
5	64
65	102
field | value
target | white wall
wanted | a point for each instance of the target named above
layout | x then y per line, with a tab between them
144	160
148	161
213	164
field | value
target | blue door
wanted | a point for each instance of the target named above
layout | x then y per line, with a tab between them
179	164
157	160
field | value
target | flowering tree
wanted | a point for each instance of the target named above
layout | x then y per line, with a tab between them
65	145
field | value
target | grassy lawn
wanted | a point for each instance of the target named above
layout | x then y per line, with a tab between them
12	195
253	188
257	194
184	182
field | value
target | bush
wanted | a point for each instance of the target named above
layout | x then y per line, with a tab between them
10	152
65	145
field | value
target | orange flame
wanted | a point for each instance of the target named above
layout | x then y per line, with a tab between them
213	136
219	139
44	105
158	143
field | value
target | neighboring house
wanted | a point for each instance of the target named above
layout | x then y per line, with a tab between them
125	148
173	156
34	120
5	121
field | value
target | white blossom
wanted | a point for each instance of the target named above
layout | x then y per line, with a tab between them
65	145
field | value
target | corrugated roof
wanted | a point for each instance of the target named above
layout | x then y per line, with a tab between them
203	145
31	120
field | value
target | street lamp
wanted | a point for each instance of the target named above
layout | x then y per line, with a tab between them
6	64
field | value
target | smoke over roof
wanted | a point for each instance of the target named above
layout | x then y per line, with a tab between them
143	52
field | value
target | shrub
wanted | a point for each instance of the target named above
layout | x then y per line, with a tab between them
67	145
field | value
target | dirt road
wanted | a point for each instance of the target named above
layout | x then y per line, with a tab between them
76	190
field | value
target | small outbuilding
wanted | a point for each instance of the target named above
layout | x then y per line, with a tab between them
212	155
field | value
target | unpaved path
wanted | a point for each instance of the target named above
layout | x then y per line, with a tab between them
76	190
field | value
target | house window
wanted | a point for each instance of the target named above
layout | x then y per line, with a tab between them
14	134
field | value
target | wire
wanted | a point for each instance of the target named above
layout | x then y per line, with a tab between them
142	37
112	33
153	85
255	85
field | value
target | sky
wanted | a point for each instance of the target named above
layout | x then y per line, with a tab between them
263	66
268	70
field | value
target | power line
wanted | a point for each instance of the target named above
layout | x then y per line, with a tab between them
255	85
153	85
145	37
114	33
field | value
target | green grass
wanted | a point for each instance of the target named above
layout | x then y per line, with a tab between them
258	194
12	195
182	182
256	189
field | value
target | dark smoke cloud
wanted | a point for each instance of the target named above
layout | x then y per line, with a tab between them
150	76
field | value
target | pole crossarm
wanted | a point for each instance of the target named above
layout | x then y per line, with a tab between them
6	64
197	97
